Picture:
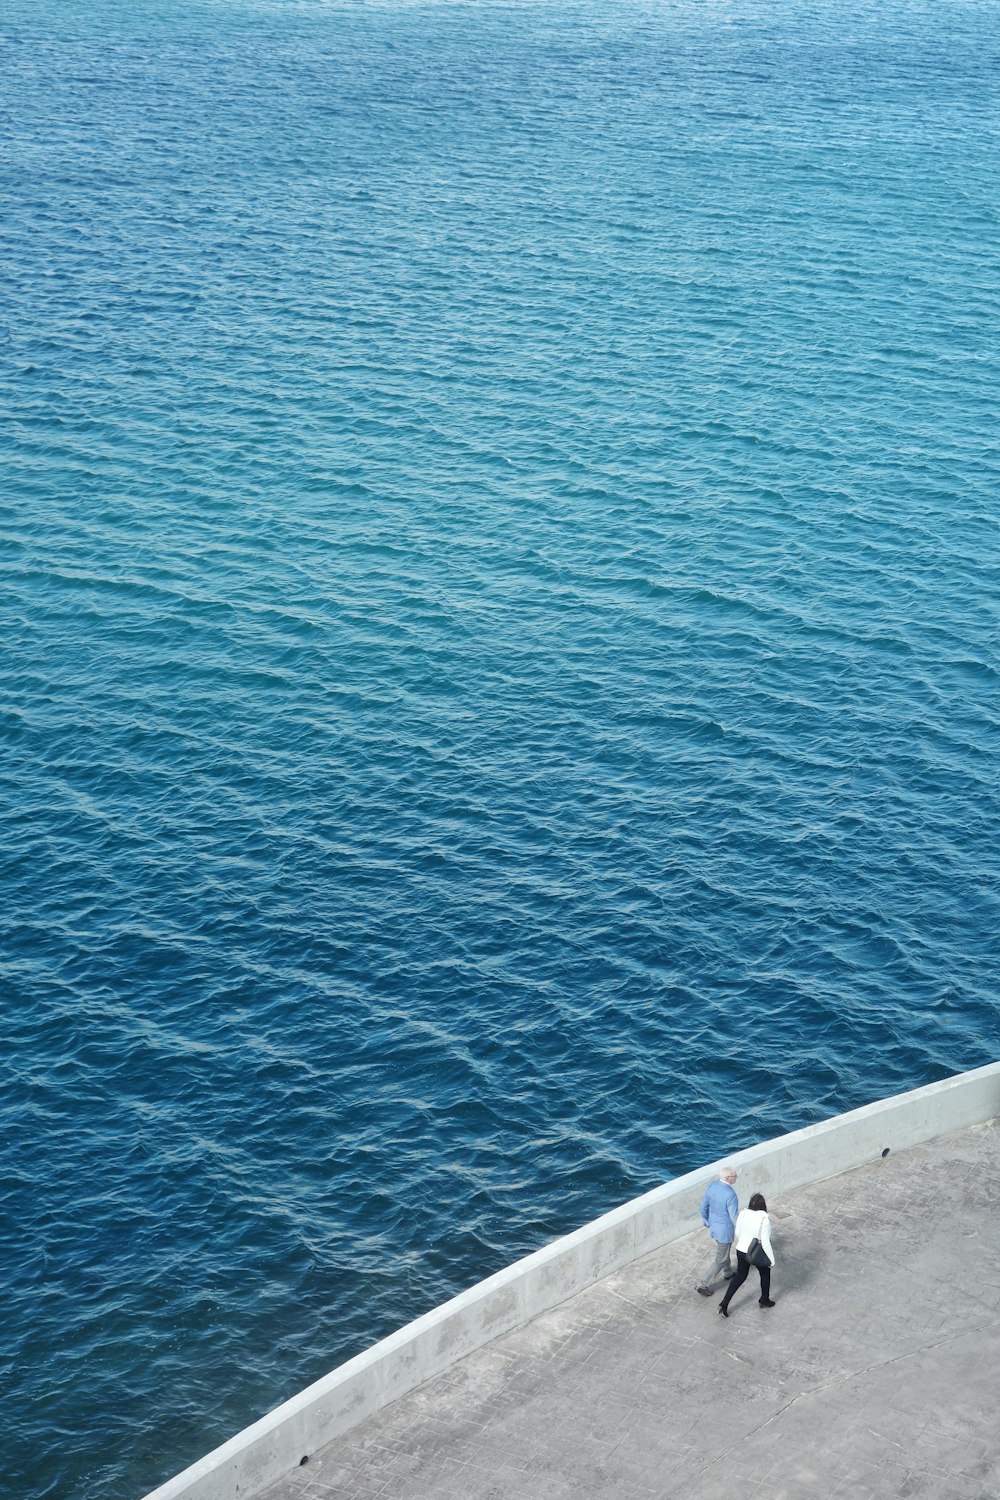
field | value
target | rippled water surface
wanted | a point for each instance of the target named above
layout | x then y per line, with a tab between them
499	691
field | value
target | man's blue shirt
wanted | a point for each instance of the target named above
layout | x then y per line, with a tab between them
719	1208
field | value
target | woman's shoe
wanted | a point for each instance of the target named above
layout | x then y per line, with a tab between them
723	1311
765	1302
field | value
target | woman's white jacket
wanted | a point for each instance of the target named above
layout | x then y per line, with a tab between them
753	1224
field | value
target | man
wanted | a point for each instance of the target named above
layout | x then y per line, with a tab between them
719	1208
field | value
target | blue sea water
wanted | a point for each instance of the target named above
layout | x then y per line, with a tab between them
499	579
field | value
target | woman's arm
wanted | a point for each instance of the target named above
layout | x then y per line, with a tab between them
765	1237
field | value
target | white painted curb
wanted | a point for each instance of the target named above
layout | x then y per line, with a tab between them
272	1447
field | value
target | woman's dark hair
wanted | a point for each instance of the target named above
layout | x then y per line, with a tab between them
757	1201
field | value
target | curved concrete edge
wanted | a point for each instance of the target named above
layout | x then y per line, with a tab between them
273	1446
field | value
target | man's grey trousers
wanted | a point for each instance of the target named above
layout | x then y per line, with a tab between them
720	1264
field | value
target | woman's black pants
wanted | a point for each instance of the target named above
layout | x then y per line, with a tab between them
742	1272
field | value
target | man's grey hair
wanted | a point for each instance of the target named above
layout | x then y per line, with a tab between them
727	1171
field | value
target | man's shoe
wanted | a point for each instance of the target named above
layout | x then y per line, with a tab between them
765	1302
703	1291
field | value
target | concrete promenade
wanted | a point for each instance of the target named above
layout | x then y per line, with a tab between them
876	1375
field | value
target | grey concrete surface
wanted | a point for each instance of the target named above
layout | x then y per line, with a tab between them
876	1375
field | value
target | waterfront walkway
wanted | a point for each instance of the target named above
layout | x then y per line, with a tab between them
876	1375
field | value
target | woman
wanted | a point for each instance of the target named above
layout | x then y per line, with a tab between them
752	1223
